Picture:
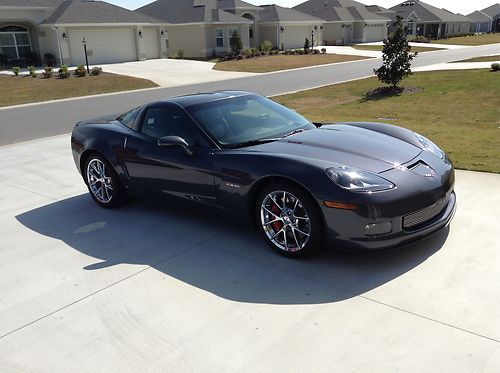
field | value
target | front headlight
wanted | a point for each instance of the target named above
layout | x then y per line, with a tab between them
358	180
429	145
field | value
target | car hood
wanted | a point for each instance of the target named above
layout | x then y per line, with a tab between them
346	145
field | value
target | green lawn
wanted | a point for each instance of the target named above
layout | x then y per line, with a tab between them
482	59
25	89
459	110
379	48
471	40
279	62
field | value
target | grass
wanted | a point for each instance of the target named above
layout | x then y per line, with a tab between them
265	64
379	48
471	40
482	59
25	89
456	109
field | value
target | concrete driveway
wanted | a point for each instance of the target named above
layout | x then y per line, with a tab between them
176	288
173	73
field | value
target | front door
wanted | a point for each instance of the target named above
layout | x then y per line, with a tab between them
170	169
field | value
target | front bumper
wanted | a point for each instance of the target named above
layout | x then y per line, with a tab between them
345	230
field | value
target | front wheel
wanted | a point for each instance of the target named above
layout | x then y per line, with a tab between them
289	220
103	182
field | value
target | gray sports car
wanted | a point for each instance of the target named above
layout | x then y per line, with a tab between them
304	185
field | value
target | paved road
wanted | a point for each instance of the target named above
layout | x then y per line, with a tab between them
152	288
49	119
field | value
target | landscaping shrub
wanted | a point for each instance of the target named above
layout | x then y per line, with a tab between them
63	72
266	46
179	54
32	71
47	72
396	56
80	71
49	59
315	51
236	43
495	67
420	39
307	46
323	50
96	71
16	70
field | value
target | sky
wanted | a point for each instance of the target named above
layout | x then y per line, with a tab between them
457	6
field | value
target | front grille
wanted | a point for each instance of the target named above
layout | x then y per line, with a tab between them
424	215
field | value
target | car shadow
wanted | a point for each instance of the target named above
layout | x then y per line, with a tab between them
209	250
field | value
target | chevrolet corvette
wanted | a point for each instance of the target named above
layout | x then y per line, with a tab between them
304	185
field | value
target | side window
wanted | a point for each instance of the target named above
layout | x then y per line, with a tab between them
219	38
129	117
169	121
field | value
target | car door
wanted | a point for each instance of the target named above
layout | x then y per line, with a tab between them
170	169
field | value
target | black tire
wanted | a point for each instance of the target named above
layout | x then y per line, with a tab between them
110	197
292	242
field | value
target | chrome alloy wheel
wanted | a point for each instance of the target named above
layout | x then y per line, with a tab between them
285	221
100	183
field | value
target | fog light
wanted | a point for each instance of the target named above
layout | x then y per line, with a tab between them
378	228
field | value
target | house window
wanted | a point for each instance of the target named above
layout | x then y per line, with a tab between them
409	28
15	41
219	38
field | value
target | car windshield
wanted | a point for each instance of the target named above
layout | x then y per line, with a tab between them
242	121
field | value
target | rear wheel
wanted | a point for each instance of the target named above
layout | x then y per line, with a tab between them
103	182
289	220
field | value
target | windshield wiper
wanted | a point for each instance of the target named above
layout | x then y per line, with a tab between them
250	143
295	131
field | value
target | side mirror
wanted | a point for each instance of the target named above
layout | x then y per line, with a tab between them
175	141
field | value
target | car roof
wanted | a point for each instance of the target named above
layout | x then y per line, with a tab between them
202	98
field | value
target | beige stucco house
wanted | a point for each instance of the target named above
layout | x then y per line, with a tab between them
32	29
347	21
493	12
426	20
203	28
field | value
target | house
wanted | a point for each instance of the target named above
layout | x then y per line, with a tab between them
347	21
203	28
288	28
493	12
481	22
41	31
426	20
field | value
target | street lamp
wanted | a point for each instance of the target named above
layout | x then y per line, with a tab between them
84	42
312	39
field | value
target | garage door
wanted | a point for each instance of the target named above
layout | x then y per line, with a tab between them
150	40
103	45
295	36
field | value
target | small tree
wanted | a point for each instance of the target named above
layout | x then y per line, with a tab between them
236	43
396	56
306	46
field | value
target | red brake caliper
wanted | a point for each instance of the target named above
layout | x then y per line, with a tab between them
278	224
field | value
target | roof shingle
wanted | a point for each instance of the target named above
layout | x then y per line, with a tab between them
426	12
275	13
91	11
